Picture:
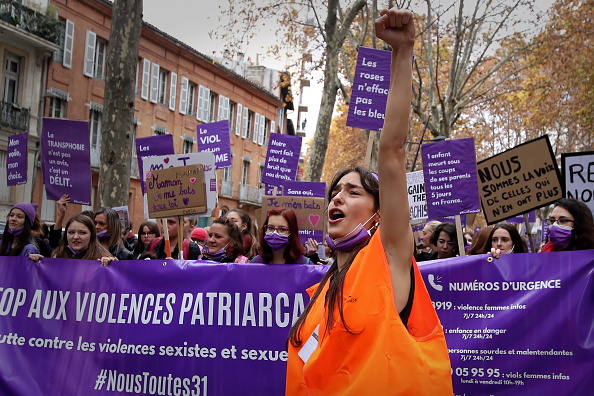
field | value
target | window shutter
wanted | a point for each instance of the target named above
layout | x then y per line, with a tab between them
90	53
256	128
68	44
146	76
262	134
238	119
272	126
244	123
155	82
173	91
206	116
183	95
200	112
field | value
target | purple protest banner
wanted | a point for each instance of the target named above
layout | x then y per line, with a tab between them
151	146
451	186
308	223
72	327
520	325
370	89
66	159
214	137
16	162
282	159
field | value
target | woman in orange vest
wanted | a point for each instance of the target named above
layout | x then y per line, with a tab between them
370	327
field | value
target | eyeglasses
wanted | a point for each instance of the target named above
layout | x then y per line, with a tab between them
147	233
443	241
279	230
561	221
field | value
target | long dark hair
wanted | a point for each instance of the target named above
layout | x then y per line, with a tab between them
95	250
154	228
23	239
294	249
336	275
250	229
235	247
582	237
519	244
481	242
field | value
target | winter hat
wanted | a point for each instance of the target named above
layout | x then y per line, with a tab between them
199	233
30	209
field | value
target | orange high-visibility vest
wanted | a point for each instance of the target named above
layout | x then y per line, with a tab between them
381	357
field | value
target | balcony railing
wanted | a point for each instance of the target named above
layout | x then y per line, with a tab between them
14	117
250	194
227	189
31	21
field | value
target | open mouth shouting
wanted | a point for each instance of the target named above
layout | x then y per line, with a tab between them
335	215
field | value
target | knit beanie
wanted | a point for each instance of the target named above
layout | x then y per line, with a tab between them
30	210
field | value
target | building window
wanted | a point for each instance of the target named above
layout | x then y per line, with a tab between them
211	106
188	144
260	174
64	54
223	112
245	125
203	113
4	191
191	98
163	77
160	130
57	108
12	72
232	116
95	51
227	174
146	78
238	118
95	126
245	172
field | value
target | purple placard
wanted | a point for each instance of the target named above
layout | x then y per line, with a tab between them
152	146
305	189
451	186
144	320
214	137
66	159
16	161
520	325
282	159
520	219
370	89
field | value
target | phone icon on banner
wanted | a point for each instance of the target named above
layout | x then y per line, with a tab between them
433	281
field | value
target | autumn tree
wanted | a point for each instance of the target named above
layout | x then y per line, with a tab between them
117	133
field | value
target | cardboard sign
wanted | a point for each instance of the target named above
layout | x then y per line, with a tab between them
177	191
309	212
370	89
124	216
16	162
578	176
519	180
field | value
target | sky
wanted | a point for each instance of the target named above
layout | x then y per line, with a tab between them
192	21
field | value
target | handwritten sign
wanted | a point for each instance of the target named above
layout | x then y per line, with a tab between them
214	137
519	180
16	163
578	176
370	89
206	159
66	159
178	191
309	212
282	159
449	168
124	215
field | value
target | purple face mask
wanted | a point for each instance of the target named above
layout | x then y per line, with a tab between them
215	256
276	242
15	232
560	236
357	237
103	235
76	251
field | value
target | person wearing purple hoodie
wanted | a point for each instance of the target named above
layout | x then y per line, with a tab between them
17	239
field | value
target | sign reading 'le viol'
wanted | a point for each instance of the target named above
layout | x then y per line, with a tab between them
177	191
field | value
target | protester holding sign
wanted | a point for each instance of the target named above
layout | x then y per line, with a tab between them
80	242
109	233
147	231
571	227
248	232
17	239
190	249
505	238
224	243
361	331
446	240
279	239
